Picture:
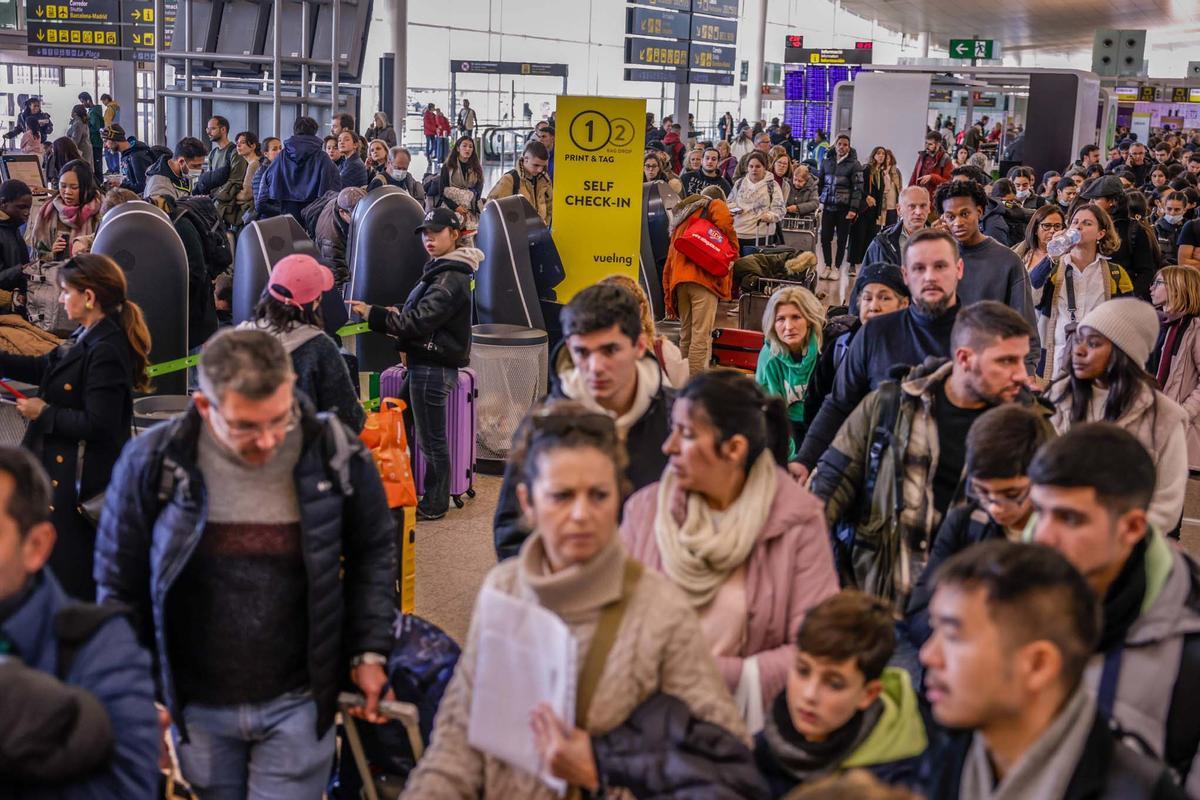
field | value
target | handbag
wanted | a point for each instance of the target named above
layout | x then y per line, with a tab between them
385	437
706	246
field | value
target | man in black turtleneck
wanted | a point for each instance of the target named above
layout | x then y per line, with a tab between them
1091	489
932	269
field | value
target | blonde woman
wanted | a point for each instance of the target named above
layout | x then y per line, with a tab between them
792	325
666	353
1175	361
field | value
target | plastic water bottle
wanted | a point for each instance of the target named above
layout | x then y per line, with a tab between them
1061	243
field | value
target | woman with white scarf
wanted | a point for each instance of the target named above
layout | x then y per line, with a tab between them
757	203
747	544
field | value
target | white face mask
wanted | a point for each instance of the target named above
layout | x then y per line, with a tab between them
1022	194
399	174
194	174
1173	220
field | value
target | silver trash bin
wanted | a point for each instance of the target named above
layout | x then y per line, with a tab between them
510	363
156	408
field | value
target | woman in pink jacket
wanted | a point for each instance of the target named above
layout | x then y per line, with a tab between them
746	543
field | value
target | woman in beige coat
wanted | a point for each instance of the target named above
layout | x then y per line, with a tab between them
570	464
1175	362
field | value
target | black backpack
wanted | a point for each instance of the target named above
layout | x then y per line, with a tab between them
202	211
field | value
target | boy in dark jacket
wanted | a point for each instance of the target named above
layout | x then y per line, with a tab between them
434	329
1000	447
843	707
301	173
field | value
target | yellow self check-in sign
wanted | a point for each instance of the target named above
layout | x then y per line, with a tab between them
597	188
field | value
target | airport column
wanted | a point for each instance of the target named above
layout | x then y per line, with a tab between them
124	91
399	17
755	57
923	43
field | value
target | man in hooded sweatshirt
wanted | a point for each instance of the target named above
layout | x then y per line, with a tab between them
173	176
606	364
298	175
135	156
434	329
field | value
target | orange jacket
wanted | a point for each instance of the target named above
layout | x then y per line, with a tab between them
679	269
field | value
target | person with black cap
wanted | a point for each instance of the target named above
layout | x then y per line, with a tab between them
434	329
879	289
1137	249
136	158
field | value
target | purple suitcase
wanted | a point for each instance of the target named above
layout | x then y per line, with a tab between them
460	430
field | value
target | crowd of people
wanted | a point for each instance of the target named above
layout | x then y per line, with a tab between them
929	546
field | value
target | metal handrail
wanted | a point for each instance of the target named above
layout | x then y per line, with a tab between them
502	153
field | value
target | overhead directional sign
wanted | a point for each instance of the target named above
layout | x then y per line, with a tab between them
716	8
655	52
676	5
653	22
77	40
826	55
710	56
714	30
972	48
96	29
509	68
72	11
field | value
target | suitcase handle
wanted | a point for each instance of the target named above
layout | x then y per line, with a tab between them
404	713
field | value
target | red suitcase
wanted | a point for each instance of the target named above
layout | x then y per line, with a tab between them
460	430
733	347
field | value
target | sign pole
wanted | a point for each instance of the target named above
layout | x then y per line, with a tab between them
681	113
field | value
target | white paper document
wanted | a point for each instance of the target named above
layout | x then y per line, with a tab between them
527	656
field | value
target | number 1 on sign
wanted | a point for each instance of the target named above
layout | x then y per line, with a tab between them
591	128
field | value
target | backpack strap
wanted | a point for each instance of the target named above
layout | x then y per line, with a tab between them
74	626
602	642
338	450
882	437
516	182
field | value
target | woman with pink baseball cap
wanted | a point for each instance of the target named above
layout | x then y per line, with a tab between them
289	310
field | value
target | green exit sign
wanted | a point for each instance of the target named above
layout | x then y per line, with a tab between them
971	48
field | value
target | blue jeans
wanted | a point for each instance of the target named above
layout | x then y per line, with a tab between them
428	389
265	751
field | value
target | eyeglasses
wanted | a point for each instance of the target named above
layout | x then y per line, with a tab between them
1008	498
1158	282
242	431
1051	226
558	424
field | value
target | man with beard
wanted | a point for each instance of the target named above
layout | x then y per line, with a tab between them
224	173
932	270
925	417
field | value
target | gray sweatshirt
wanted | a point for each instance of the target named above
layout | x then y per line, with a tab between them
993	272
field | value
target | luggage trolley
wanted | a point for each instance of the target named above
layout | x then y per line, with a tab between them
800	233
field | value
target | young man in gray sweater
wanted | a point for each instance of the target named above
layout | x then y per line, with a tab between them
990	270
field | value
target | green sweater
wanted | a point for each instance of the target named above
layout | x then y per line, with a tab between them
782	375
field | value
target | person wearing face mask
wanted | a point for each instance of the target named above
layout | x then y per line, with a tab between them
395	173
1170	225
746	544
1023	179
173	176
1083	278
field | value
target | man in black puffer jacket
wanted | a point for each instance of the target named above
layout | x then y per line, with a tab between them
434	329
252	540
841	178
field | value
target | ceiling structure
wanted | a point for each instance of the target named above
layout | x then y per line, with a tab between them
1046	25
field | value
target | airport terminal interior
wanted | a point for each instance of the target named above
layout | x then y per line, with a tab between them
654	398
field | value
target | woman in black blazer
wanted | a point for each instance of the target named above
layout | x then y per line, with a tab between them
82	415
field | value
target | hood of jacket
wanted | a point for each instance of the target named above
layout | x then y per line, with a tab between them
686	207
291	339
1171	607
900	731
570	383
301	147
470	257
162	168
136	148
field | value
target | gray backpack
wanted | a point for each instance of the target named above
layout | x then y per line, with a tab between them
41	298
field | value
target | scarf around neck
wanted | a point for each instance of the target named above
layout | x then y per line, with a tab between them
803	760
698	553
1043	771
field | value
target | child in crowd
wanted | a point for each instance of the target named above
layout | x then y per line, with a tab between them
843	706
1000	447
792	325
434	330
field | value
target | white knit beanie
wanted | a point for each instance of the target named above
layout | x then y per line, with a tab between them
1129	323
